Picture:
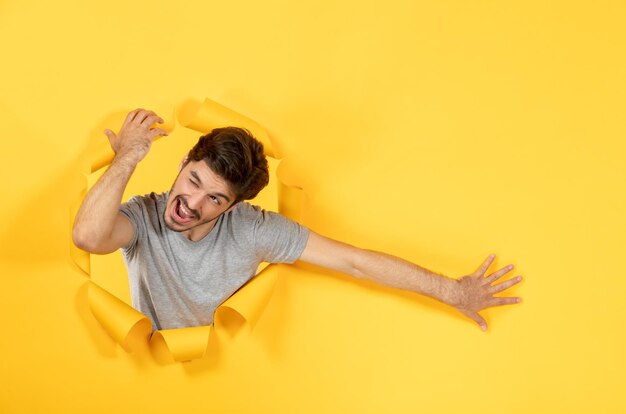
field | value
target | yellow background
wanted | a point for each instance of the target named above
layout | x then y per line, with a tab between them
438	131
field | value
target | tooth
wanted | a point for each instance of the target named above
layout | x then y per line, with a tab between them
186	211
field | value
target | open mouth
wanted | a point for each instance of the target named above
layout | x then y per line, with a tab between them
182	214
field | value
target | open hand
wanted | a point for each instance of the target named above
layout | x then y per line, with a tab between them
476	291
135	137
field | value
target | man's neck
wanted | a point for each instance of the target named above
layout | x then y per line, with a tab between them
200	232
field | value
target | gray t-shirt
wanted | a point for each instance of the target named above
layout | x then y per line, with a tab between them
178	282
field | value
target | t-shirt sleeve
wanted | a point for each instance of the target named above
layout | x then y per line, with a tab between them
134	210
279	239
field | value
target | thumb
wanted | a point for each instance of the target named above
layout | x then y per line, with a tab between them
158	131
479	320
110	135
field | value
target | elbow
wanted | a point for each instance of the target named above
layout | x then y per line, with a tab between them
90	242
84	240
79	239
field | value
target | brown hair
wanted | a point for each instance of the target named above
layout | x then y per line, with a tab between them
236	156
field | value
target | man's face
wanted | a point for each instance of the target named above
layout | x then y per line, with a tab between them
197	198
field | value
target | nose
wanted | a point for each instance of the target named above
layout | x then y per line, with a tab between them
194	201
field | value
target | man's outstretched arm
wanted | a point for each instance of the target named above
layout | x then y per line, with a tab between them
99	227
469	294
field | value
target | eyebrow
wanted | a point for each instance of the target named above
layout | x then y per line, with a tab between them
224	196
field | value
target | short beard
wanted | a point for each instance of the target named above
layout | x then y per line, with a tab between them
169	194
178	230
181	230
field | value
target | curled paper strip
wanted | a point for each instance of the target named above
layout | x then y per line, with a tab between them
180	345
246	306
243	309
206	116
289	196
128	327
80	257
133	330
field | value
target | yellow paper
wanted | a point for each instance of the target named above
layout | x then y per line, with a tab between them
181	345
438	131
247	304
206	116
79	256
130	328
127	326
289	195
101	154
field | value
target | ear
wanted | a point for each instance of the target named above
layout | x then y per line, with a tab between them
183	163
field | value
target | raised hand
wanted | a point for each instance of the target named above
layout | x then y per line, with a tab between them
477	291
136	135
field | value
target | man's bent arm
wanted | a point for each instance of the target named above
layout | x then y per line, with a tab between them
469	295
99	227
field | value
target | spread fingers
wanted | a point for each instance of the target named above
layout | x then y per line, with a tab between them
505	285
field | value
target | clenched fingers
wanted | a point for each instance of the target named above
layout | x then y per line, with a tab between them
157	131
152	119
142	116
131	116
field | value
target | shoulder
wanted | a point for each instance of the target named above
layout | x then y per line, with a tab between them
246	211
145	210
152	201
151	198
252	217
263	221
275	238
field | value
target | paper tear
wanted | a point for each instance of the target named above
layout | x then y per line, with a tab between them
180	345
102	154
204	117
130	328
289	195
127	326
248	303
79	256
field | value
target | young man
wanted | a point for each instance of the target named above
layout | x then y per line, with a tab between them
189	249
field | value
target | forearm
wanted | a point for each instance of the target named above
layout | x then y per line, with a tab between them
468	294
97	214
395	272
